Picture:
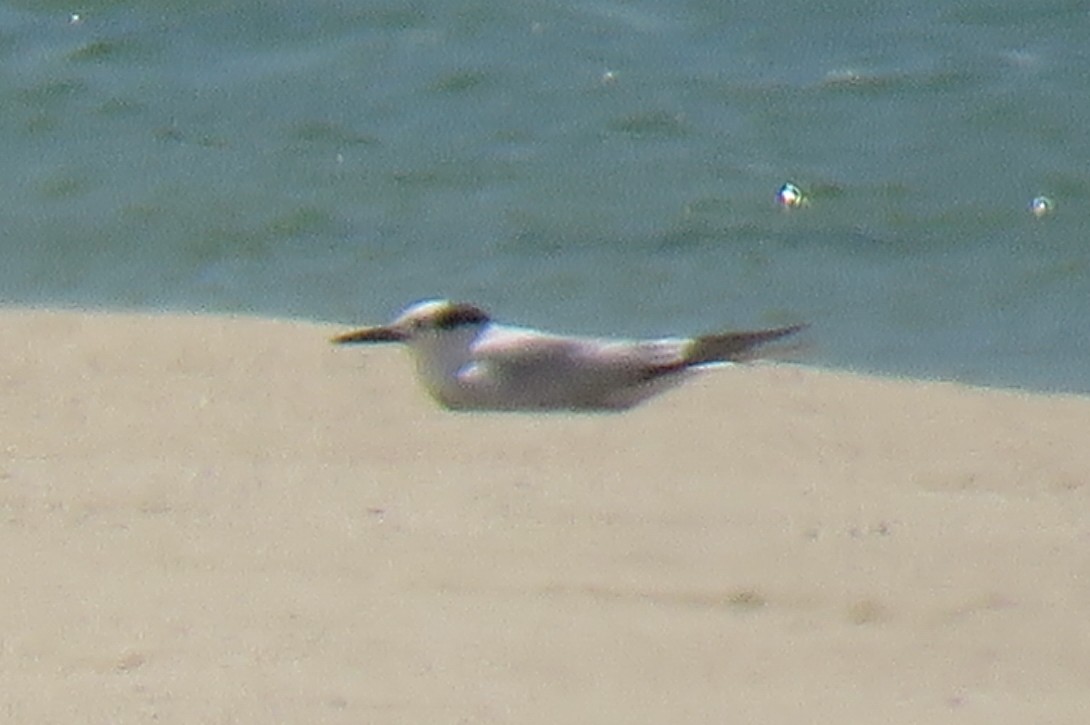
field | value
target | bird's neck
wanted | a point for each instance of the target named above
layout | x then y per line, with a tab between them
441	355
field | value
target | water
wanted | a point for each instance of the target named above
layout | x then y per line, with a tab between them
586	166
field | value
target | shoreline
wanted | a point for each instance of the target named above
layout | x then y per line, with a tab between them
332	327
216	517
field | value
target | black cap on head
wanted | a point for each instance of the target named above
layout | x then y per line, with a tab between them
460	313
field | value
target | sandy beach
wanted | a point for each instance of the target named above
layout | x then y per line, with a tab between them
213	520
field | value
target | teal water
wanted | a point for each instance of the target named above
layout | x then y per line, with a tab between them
587	166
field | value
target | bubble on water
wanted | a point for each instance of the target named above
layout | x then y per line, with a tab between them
790	196
1041	206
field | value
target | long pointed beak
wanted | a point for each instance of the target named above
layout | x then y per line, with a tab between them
381	333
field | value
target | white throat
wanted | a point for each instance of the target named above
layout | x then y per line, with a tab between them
441	354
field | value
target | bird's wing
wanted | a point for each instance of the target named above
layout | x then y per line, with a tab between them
735	346
518	350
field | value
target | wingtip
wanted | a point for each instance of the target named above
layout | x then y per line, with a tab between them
743	346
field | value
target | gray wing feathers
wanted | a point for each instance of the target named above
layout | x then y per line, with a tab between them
734	346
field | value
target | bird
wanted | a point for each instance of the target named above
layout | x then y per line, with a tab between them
467	361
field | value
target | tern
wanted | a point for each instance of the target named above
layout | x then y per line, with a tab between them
468	362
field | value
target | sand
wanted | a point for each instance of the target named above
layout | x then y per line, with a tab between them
212	520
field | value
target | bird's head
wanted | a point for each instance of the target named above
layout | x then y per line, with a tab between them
420	321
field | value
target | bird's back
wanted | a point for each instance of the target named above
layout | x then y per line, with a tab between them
516	368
